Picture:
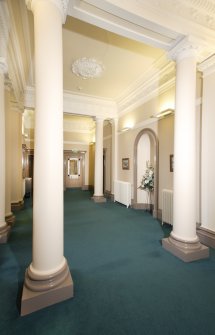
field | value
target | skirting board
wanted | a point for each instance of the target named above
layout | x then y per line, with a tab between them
206	237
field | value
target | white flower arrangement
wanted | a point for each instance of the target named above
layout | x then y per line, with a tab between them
147	182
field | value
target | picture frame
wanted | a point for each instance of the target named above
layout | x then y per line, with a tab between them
171	163
125	163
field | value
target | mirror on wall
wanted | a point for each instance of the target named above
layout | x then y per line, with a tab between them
73	168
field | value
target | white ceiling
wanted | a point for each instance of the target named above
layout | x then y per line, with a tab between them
130	37
124	60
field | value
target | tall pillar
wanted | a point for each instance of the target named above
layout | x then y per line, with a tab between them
98	177
4	228
47	279
16	153
114	152
183	241
9	216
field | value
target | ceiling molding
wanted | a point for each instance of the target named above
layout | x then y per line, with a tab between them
78	104
85	105
119	18
14	57
208	66
158	79
29	55
4	28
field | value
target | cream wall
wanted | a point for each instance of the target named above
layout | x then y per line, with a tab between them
126	142
137	119
166	148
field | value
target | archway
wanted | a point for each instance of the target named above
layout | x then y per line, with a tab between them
155	162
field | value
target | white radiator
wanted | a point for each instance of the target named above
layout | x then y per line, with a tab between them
167	206
122	192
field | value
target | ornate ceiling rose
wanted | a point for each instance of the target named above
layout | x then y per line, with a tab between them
87	68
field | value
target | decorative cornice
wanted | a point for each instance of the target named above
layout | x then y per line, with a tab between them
78	104
201	12
87	105
158	79
62	5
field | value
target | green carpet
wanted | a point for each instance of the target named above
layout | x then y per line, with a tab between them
125	282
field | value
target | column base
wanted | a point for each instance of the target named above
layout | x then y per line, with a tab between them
186	251
4	234
40	293
10	219
98	198
17	205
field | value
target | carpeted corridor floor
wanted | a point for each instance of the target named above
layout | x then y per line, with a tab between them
125	282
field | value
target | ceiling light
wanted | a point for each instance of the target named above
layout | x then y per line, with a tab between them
87	68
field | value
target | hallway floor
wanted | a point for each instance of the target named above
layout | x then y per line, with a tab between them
125	283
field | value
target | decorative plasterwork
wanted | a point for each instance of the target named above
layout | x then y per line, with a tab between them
117	17
87	68
158	79
78	104
199	11
84	105
61	4
4	28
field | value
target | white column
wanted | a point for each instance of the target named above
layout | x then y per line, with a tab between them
10	218
48	275
183	241
98	177
114	152
16	153
4	228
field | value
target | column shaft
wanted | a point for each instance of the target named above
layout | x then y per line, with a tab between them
183	241
184	202
4	228
10	218
48	275
114	152
98	177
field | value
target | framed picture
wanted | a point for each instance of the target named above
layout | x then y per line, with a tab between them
125	163
171	161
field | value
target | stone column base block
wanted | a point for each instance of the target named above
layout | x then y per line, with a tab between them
99	198
10	219
15	206
4	234
186	251
206	237
38	294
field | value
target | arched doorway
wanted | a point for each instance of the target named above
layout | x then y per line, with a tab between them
148	138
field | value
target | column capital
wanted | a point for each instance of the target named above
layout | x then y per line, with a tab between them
189	46
3	65
62	5
99	119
